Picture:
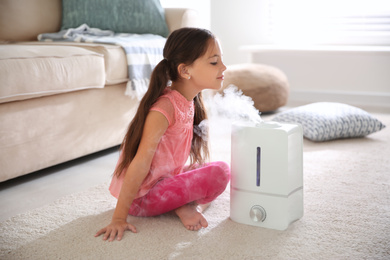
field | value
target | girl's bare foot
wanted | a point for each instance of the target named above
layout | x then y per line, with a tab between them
191	216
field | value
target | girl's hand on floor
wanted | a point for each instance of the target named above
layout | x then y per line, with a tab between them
115	229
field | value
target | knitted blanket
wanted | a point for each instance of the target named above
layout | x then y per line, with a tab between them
143	51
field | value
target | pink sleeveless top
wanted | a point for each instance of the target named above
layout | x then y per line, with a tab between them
175	145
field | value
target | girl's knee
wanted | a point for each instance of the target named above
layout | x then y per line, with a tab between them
220	171
217	177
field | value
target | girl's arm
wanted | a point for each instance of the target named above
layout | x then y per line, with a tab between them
155	126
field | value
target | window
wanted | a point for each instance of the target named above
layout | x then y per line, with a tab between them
346	22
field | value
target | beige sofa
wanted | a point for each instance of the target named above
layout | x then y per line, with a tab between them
59	101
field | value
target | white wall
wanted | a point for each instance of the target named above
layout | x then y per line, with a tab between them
201	6
239	23
358	76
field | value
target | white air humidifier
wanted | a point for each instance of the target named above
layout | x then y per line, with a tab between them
266	174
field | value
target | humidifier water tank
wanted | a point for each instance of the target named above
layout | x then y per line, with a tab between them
266	174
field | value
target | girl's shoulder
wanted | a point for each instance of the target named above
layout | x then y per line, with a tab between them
173	97
175	106
164	105
167	93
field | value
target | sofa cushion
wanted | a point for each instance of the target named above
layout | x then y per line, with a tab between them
127	16
115	61
28	71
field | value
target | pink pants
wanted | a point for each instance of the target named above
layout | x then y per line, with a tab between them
201	186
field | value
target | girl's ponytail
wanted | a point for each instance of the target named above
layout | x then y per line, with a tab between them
158	82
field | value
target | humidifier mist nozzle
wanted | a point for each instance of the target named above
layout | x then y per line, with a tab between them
269	124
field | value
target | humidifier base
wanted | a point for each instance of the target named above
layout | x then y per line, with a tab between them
274	211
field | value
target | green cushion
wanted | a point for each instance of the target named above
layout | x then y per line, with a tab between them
120	16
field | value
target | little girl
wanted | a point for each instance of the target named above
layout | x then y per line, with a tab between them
150	178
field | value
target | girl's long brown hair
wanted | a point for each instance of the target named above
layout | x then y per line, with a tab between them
184	45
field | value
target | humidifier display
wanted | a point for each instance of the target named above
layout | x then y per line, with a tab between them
266	188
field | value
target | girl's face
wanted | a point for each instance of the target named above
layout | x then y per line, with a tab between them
207	71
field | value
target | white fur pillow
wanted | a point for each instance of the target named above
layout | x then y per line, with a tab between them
324	121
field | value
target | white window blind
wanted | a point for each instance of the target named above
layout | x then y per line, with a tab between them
345	22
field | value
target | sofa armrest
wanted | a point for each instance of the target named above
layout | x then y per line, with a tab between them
180	17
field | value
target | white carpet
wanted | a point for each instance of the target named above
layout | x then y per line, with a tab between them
347	216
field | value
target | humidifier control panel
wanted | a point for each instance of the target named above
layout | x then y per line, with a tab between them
258	213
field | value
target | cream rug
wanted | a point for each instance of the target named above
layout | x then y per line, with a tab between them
347	216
